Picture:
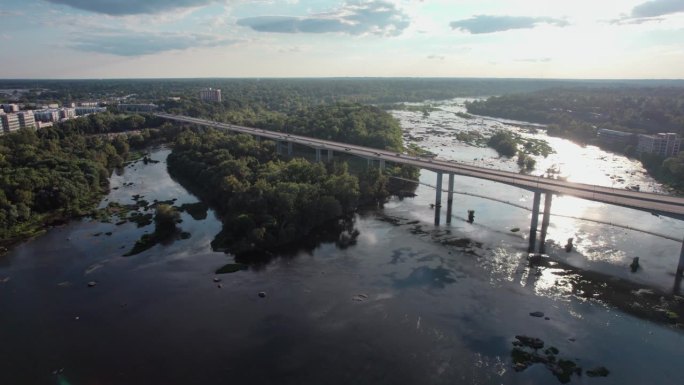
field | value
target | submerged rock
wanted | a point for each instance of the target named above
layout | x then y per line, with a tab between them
601	371
231	268
360	298
262	294
531	342
537	314
92	284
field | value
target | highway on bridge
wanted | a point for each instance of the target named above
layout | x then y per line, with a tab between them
656	203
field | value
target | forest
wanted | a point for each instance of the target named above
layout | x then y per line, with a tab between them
56	173
282	95
267	203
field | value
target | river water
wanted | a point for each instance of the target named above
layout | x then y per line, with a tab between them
409	303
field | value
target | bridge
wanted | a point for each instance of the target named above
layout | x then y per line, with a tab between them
654	203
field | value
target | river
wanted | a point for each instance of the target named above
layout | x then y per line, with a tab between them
409	303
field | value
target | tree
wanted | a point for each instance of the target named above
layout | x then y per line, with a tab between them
166	217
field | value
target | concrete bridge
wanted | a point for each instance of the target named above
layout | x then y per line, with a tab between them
654	203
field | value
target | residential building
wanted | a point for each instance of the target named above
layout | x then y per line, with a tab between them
9	108
49	115
662	144
10	122
210	95
26	119
80	111
137	107
613	137
67	113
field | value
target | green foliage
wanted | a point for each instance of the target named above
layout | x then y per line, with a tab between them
51	173
165	219
504	143
264	202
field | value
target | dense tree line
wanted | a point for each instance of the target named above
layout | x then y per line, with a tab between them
266	203
286	95
344	122
103	123
49	173
579	112
56	173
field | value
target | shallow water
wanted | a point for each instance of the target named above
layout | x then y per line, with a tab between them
397	308
600	247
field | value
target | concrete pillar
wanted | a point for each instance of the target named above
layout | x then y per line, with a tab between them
318	155
680	267
535	220
289	148
330	155
545	222
438	199
382	165
279	148
450	198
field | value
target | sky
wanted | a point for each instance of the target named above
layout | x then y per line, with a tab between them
585	39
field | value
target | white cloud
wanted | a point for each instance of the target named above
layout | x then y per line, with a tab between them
375	17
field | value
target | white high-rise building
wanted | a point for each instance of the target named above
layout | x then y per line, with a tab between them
210	95
26	119
663	144
10	122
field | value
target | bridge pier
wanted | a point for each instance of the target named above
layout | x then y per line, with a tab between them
545	222
289	148
535	220
450	198
330	155
438	199
381	164
279	148
318	155
680	267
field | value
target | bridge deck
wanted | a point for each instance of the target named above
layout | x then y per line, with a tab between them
655	203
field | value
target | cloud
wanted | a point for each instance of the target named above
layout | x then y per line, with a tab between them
376	17
436	57
135	44
656	8
131	7
488	24
651	11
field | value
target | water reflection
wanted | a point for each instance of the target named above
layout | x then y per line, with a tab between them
599	245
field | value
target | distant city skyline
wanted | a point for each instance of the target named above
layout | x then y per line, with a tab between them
582	39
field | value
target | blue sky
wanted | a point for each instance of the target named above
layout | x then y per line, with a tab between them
297	38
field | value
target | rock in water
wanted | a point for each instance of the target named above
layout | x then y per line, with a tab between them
537	314
634	265
598	372
262	294
92	284
532	342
